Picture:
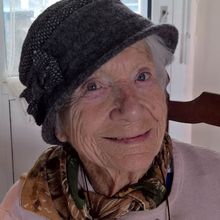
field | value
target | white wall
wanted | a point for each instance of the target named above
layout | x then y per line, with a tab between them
26	139
6	172
200	71
20	140
180	76
207	66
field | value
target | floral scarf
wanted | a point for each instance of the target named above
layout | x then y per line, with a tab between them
51	189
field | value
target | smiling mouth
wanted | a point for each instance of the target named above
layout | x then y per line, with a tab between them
130	140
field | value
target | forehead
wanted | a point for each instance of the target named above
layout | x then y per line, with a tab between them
130	58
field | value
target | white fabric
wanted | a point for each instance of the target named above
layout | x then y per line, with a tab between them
195	193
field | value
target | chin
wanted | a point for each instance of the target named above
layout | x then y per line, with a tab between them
135	163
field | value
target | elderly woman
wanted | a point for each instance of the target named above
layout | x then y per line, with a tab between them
96	81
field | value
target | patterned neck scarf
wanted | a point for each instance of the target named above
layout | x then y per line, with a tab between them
51	188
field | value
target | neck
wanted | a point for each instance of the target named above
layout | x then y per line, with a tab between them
107	181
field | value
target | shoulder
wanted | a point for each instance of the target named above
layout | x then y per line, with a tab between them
10	203
195	151
10	208
196	182
199	158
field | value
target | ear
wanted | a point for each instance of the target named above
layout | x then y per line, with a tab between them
59	131
61	136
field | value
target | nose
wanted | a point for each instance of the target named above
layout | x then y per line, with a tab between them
126	106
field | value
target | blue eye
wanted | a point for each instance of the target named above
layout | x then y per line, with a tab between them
143	76
92	86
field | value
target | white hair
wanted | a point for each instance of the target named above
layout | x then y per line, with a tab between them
162	57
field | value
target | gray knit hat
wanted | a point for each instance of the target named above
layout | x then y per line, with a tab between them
68	42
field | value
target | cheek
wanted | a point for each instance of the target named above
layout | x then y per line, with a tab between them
75	126
160	111
155	103
82	128
154	100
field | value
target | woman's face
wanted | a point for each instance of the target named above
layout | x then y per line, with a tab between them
118	116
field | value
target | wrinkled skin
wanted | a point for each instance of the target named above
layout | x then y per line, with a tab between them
117	119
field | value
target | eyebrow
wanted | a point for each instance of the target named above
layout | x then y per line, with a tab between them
96	72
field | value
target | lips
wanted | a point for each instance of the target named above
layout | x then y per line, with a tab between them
130	140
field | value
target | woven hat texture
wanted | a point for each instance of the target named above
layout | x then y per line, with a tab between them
68	42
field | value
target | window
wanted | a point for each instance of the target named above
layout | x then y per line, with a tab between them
133	5
18	16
